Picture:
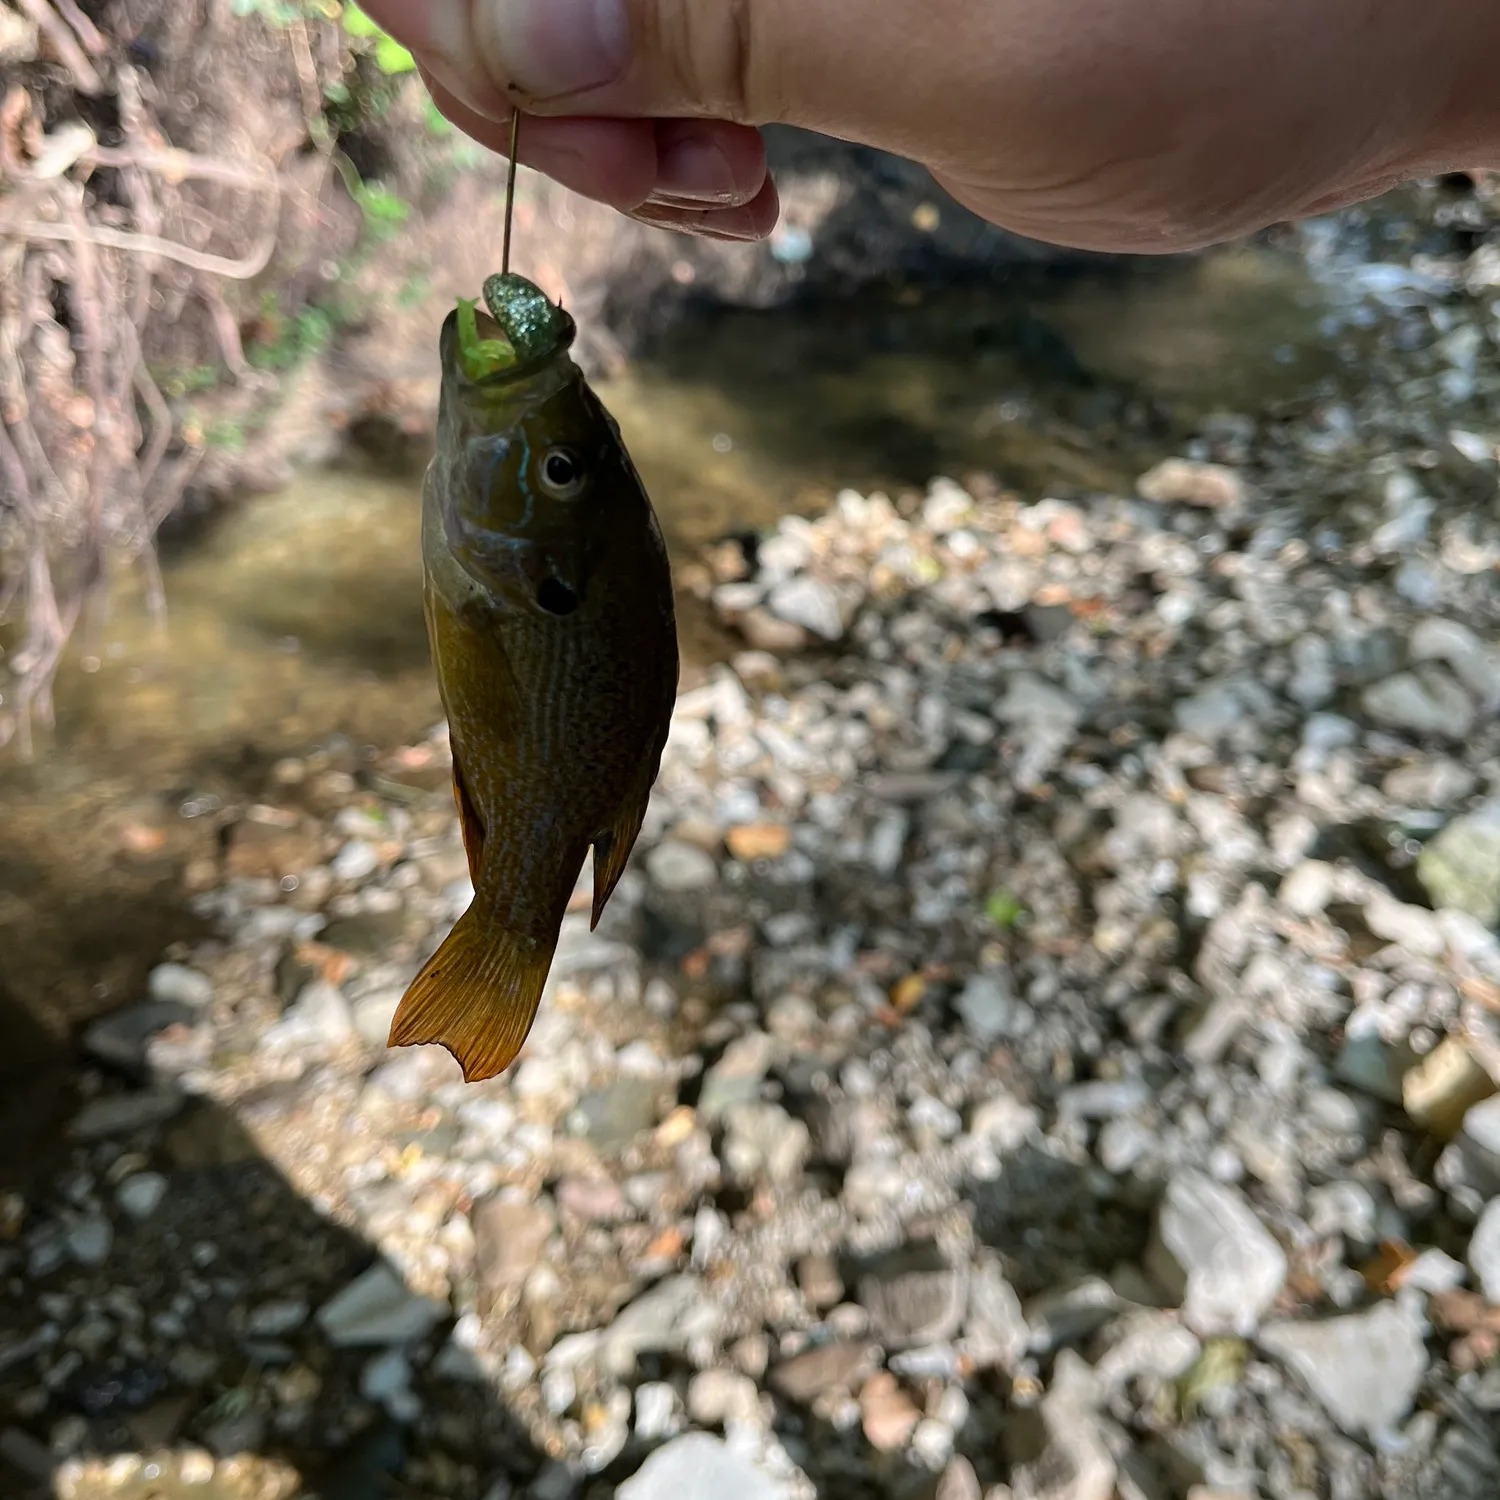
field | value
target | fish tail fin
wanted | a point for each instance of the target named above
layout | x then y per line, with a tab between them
612	853
477	996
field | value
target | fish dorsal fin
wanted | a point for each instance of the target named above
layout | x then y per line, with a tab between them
477	996
469	822
612	852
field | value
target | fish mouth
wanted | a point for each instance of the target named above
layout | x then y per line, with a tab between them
518	327
504	378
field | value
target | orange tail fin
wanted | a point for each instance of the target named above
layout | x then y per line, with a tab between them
477	996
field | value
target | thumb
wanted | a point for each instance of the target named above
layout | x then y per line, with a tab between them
751	61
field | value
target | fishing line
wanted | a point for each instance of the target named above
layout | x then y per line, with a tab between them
510	189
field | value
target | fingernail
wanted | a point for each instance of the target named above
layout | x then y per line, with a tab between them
550	48
692	173
722	224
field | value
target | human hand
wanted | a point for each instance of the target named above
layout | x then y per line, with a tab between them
1118	125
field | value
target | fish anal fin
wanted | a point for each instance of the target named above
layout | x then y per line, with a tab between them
477	996
612	852
469	822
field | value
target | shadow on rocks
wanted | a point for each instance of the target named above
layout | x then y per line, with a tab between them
1053	1220
176	1320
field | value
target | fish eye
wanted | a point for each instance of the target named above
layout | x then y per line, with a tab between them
562	473
556	597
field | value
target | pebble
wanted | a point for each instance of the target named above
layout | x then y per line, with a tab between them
140	1194
672	1315
762	1138
508	1240
656	1410
715	1397
1146	1343
374	1013
996	1331
90	1240
1429	703
1484	1252
1213	1252
123	1114
809	602
959	1482
319	1018
677	867
736	1077
1307	888
1413	927
1364	1368
356	861
820	1371
1461	866
1074	1462
914	1297
888	1415
1182	481
176	984
989	1008
378	1308
699	1464
276	1319
121	1038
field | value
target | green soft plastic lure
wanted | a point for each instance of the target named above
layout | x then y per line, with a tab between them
531	325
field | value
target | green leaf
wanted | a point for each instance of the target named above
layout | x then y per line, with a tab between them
391	57
357	23
1003	909
382	205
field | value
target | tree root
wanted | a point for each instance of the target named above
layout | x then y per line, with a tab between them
91	460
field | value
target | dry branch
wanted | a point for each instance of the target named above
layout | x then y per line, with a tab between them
87	469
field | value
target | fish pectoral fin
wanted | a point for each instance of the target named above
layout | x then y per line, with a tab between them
477	996
469	823
612	852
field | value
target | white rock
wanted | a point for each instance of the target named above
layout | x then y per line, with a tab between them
178	982
319	1018
1075	1464
1475	663
374	1013
1428	702
1212	1251
989	1008
1365	1369
1308	888
1484	1251
655	1410
1414	928
357	860
675	866
810	603
696	1464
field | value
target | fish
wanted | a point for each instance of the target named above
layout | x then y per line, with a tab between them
548	597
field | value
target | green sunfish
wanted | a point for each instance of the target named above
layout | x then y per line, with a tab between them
549	610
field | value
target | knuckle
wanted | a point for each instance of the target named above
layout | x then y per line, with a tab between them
711	50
